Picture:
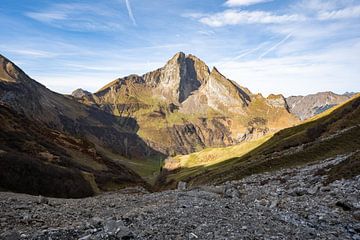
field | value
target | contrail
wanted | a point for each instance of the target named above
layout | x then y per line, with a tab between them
249	51
275	46
130	12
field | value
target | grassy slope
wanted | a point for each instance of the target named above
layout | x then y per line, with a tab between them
289	147
148	169
188	164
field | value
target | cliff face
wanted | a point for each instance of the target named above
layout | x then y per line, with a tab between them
308	106
183	107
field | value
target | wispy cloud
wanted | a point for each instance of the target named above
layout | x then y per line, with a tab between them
233	3
130	12
299	74
275	46
350	12
238	17
31	53
77	17
47	16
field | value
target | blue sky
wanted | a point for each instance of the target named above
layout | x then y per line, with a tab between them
270	46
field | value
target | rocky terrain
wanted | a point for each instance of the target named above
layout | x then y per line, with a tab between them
295	203
310	105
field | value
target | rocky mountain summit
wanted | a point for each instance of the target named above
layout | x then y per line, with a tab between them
184	107
310	105
80	93
296	203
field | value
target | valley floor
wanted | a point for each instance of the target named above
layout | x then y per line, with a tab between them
288	204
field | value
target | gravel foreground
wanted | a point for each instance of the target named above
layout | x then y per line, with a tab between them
288	204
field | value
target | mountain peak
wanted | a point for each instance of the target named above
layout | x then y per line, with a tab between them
181	75
178	57
216	73
9	72
80	93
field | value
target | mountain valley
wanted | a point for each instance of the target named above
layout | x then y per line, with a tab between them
152	156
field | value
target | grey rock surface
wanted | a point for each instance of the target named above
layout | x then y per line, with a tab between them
310	105
287	204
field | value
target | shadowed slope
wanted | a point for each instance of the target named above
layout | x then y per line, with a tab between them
37	160
36	102
333	133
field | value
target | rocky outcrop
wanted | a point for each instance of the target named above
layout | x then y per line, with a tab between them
218	94
178	78
278	101
192	137
80	93
308	106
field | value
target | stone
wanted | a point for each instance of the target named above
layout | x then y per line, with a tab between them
42	200
231	192
96	221
274	203
356	215
355	237
11	235
344	205
193	236
181	186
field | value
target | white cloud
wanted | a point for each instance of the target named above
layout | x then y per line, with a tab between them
47	16
233	3
350	12
238	17
335	68
79	17
31	53
316	5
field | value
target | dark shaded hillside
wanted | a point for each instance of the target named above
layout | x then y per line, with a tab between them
332	133
36	102
37	160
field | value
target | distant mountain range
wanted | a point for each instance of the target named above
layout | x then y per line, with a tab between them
310	105
84	143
